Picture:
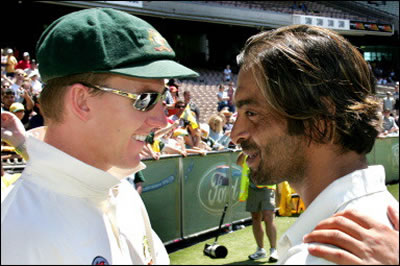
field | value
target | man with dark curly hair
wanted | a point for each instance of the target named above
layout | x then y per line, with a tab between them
307	114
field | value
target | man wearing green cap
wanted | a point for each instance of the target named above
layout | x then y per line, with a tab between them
104	72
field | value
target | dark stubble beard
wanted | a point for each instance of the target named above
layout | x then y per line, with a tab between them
282	160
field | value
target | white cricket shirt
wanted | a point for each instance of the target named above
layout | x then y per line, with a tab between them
63	211
363	190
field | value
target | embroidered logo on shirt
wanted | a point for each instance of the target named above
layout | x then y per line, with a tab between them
99	260
146	251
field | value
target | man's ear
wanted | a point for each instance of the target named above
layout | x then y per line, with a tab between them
77	102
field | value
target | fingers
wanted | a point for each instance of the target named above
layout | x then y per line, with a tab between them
337	256
361	219
393	217
342	223
367	240
336	238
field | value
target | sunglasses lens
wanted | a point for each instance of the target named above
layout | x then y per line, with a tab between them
146	101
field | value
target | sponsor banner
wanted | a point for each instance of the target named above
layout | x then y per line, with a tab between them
189	202
325	22
208	186
161	196
124	3
370	26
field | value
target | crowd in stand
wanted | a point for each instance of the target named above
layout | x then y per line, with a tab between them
21	86
385	72
185	134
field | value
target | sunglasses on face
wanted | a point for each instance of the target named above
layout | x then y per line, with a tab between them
181	107
142	102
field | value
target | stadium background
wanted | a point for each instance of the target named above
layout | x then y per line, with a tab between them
206	36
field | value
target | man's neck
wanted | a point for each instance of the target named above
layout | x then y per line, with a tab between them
69	140
325	167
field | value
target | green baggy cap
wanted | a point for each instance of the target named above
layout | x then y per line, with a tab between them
105	40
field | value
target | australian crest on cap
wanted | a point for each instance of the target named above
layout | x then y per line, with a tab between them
158	41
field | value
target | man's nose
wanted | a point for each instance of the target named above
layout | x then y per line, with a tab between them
239	131
158	119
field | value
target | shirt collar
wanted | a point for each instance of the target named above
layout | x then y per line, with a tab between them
66	174
332	198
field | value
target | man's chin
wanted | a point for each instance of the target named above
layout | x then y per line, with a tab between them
261	178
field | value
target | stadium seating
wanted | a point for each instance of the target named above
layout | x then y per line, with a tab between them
204	91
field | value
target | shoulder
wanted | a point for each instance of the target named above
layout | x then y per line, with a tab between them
44	230
373	205
24	234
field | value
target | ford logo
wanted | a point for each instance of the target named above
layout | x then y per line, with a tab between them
215	187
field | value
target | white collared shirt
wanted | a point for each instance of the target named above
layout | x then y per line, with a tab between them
63	211
363	190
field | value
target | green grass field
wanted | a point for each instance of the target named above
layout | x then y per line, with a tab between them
239	243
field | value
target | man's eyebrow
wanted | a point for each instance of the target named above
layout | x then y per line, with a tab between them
241	103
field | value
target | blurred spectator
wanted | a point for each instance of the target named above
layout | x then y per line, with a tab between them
5	85
34	66
231	92
174	142
25	62
36	119
148	152
155	144
179	109
151	149
194	135
18	109
137	181
385	72
193	107
391	76
388	102
303	8
382	81
216	123
26	95
37	86
222	96
3	61
227	73
193	142
8	98
228	123
389	125
172	97
17	84
172	83
11	63
25	107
